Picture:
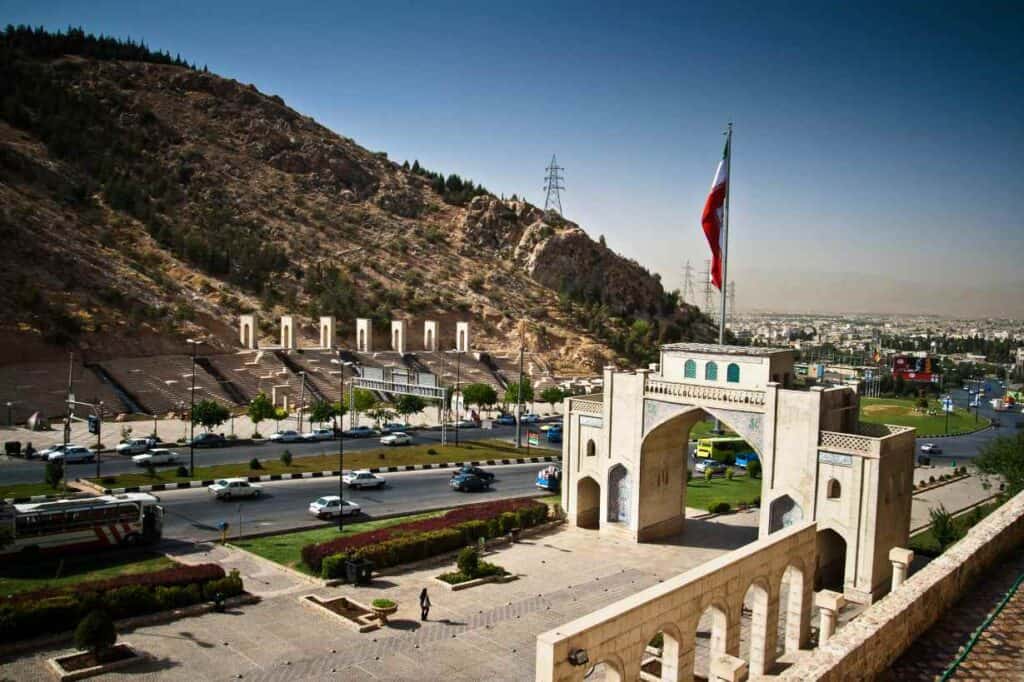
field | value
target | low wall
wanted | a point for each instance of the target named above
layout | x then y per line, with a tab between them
868	645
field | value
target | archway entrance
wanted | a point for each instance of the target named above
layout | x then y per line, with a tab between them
831	573
664	457
711	640
246	336
588	504
361	341
783	512
430	339
794	621
619	494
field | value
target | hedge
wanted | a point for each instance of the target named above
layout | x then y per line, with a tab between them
43	612
474	521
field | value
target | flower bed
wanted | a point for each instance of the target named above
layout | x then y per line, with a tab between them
50	611
425	538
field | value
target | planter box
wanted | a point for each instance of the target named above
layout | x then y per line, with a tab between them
356	616
129	654
476	581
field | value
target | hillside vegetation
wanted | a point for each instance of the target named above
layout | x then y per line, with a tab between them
144	200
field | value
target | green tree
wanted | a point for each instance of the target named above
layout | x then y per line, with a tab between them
512	392
96	633
209	413
364	399
1003	457
943	529
407	405
321	411
279	414
380	412
260	408
481	395
54	473
552	395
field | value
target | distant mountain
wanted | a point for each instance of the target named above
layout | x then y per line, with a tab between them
143	200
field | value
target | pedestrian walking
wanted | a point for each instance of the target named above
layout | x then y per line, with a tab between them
424	604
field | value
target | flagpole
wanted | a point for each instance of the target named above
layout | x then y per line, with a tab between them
725	240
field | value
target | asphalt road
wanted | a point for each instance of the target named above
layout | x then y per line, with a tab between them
21	471
193	515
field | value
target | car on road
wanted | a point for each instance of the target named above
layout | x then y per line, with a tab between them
156	456
318	435
531	418
554	434
703	465
506	420
72	455
133	446
396	438
46	452
392	427
363	479
462	424
468	483
359	432
286	437
332	505
550	478
474	471
209	440
232	488
931	449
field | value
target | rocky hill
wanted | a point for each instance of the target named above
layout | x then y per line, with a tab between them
143	200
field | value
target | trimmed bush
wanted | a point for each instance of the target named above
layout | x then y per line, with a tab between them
255	464
383	603
708	474
96	633
182	472
507	521
333	567
228	586
719	507
729	473
754	469
131	600
468	561
286	458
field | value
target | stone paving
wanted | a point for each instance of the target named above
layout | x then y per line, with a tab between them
999	652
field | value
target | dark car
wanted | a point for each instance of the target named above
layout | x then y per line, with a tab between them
469	483
506	419
474	471
555	434
209	440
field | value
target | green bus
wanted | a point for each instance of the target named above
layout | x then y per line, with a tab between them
726	449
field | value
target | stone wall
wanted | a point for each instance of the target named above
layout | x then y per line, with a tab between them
869	645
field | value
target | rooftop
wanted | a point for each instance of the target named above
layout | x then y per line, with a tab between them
758	351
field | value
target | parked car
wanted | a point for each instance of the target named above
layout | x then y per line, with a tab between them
554	434
468	483
743	459
396	438
72	455
157	456
363	479
506	419
133	446
317	435
474	471
706	464
530	418
462	424
392	427
231	488
286	437
46	452
209	440
332	505
931	449
359	432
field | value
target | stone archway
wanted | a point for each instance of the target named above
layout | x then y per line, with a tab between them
794	608
783	511
763	626
716	619
831	569
361	342
246	336
588	503
620	494
664	455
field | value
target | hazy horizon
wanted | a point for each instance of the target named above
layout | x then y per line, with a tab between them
878	155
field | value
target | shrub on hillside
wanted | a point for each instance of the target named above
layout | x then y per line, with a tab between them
719	507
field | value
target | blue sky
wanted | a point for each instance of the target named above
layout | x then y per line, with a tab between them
879	149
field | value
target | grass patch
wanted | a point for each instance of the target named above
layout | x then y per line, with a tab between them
924	543
703	494
27	490
903	413
364	459
286	548
66	573
484	570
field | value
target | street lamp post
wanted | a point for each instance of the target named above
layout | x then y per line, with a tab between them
341	438
458	390
191	414
99	439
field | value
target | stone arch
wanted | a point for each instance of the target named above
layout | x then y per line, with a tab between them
714	617
795	609
784	511
732	373
591	448
588	503
246	335
831	565
711	371
690	369
668	665
612	667
620	494
361	341
833	489
664	452
764	606
396	339
430	339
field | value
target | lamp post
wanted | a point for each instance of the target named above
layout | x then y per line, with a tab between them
341	438
302	396
458	390
191	412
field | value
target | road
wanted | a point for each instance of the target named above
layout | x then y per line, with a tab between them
192	514
21	471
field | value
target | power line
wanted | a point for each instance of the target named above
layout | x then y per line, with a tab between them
553	184
689	295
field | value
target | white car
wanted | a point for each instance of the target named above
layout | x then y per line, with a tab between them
363	479
157	456
46	452
931	449
317	435
396	438
332	505
73	454
286	437
530	418
134	446
230	488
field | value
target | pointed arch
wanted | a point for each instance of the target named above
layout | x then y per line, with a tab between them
690	369
732	373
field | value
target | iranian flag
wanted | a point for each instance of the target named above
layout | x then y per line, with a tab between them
713	217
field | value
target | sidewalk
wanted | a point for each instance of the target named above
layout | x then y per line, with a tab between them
953	496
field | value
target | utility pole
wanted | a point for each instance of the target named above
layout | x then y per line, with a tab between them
708	306
302	395
67	421
191	414
458	389
732	298
553	184
519	393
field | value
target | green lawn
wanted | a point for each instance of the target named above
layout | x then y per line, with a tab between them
378	457
702	494
286	548
924	542
66	573
27	490
904	413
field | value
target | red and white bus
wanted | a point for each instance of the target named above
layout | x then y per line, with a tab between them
87	523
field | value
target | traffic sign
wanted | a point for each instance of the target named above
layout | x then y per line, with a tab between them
947	404
533	438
